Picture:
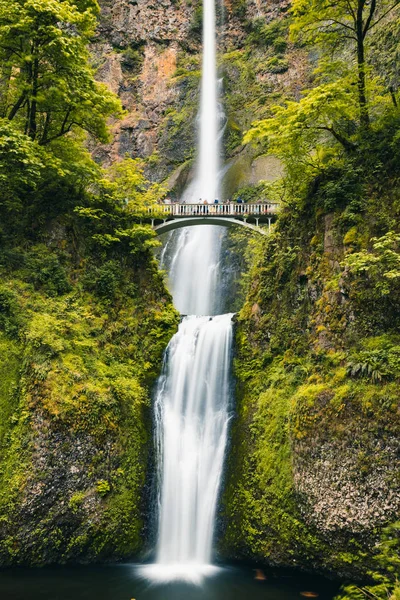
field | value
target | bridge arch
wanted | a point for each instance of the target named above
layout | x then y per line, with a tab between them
172	224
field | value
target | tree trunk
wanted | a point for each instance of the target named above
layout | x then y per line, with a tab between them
32	126
393	95
362	79
362	85
46	126
4	89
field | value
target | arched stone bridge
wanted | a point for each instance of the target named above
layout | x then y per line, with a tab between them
167	217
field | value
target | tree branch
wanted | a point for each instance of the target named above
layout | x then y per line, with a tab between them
64	129
56	136
372	10
397	3
19	104
342	24
12	50
340	138
393	96
351	10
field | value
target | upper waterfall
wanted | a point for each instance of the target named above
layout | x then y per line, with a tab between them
206	183
193	272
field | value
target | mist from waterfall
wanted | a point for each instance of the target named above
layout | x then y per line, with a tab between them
192	400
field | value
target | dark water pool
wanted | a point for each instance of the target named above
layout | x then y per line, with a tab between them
122	582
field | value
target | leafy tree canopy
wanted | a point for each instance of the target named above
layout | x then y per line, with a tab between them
130	187
343	24
355	87
47	85
328	108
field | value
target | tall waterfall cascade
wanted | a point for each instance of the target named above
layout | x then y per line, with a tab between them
192	400
193	272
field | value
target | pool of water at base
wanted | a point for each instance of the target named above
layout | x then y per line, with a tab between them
123	582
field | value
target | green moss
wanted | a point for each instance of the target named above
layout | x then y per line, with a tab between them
77	370
317	383
277	64
10	366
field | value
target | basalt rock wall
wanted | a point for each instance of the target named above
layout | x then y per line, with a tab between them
150	55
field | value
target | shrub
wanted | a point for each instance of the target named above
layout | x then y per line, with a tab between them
267	34
277	65
44	269
9	312
103	488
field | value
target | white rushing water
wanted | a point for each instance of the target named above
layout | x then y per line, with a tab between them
192	401
208	165
192	414
194	270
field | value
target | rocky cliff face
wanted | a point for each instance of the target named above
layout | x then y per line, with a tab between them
149	54
313	474
137	52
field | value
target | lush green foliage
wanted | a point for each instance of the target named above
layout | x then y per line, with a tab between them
345	24
349	94
84	315
47	84
317	361
387	574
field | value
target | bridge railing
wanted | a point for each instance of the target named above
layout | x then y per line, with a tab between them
231	209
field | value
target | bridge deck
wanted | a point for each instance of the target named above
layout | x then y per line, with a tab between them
231	209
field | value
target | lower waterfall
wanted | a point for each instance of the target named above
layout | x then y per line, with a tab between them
192	412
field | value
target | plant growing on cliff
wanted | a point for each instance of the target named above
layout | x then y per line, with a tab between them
380	265
103	488
380	364
131	188
386	578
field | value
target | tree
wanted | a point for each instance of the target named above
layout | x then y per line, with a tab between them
21	166
47	85
385	57
297	128
131	188
379	266
336	22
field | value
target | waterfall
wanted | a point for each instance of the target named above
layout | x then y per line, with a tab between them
197	249
192	400
207	179
191	421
